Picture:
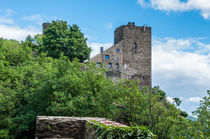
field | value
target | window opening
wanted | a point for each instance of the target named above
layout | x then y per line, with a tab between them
107	57
135	47
117	66
110	65
131	76
125	66
117	50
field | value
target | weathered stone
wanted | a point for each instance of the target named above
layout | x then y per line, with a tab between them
49	127
133	57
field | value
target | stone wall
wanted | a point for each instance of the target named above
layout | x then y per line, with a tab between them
133	64
53	127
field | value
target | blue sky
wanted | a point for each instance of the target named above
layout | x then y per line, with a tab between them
180	34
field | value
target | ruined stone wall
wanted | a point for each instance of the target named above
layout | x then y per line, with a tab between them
54	127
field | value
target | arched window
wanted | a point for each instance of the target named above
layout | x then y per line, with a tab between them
135	47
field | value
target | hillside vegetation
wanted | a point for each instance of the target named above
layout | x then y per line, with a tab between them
33	82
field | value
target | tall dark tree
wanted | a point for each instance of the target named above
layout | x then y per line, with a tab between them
59	39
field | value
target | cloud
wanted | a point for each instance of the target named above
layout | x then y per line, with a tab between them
9	12
194	99
182	59
37	18
181	67
9	30
5	20
179	6
96	47
109	25
17	33
170	99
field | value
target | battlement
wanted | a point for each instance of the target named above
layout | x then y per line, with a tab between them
121	31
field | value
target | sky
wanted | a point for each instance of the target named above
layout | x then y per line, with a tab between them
180	35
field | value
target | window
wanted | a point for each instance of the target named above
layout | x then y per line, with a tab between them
142	77
131	77
98	65
135	47
125	66
115	58
117	50
107	57
117	66
110	65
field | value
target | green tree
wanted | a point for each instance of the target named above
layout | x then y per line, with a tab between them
59	40
177	101
203	114
32	85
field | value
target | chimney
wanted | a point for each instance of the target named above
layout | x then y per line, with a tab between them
102	49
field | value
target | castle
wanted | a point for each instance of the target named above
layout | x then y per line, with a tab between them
130	56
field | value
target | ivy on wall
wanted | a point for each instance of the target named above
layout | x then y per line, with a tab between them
103	131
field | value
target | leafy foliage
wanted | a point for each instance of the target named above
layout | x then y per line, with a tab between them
59	40
111	132
34	83
203	114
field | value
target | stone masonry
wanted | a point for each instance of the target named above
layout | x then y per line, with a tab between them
130	57
55	127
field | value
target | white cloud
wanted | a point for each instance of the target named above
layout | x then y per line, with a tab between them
177	5
37	18
5	20
183	59
17	33
109	25
170	99
10	31
194	99
181	67
96	47
9	12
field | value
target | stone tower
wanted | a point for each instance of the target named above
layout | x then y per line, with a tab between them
130	57
45	26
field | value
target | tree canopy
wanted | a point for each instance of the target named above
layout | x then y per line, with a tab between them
61	39
34	83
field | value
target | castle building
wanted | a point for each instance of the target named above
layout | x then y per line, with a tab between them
130	56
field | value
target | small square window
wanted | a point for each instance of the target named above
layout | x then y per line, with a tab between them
117	66
107	57
110	65
117	50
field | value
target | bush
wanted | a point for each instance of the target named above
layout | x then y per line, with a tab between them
112	132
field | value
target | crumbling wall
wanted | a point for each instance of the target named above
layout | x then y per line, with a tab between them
54	127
